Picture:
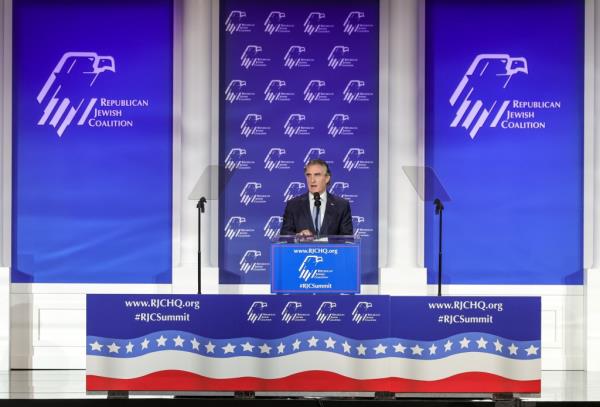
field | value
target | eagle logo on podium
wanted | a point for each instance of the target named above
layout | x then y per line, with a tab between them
308	266
480	97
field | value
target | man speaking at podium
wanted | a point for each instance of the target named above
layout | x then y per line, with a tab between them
317	213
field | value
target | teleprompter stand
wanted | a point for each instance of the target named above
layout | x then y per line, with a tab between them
430	189
212	180
201	209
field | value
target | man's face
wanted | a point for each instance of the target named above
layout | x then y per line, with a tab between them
316	178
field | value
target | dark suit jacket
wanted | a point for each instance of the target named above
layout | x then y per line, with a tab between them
337	219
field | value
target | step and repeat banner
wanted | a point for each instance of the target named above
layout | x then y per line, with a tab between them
92	141
313	343
298	81
504	133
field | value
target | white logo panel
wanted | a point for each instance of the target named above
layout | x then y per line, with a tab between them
258	312
235	22
235	160
249	194
251	57
353	92
359	230
361	313
341	189
274	160
273	227
309	267
249	262
234	228
488	73
251	126
293	190
235	92
315	92
353	160
294	126
68	95
339	57
339	125
295	57
291	312
315	24
355	23
274	92
275	23
325	313
314	153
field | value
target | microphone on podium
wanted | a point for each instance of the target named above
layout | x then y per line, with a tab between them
317	197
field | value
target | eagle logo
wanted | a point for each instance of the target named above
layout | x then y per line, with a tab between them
293	190
234	159
352	158
313	154
248	194
273	158
325	310
359	313
249	259
234	226
273	227
65	95
308	266
481	94
291	312
293	125
255	312
336	125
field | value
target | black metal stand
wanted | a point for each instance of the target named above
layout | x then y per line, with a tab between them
117	394
244	395
506	400
439	210
201	209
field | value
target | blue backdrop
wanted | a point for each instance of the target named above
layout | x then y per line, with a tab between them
504	133
298	81
92	141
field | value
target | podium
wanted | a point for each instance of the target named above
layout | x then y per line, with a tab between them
325	265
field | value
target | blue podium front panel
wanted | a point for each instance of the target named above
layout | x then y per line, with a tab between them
311	268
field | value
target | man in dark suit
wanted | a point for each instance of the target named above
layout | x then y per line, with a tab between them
307	212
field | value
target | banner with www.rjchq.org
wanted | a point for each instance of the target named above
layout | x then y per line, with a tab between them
504	134
92	141
314	343
298	81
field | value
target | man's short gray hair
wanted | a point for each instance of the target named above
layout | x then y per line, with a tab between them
318	161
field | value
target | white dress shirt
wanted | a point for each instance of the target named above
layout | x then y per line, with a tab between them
321	209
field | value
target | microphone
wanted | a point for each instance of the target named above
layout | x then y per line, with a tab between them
317	207
317	199
439	206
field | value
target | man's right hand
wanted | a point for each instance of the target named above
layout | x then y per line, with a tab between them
304	233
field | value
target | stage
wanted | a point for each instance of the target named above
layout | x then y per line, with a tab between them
557	386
